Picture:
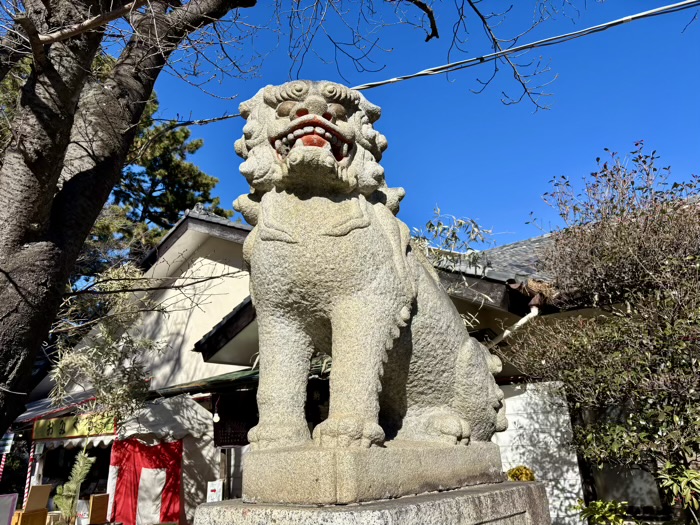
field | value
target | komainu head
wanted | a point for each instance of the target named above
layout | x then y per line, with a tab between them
314	138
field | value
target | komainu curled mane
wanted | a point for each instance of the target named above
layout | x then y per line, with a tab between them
333	271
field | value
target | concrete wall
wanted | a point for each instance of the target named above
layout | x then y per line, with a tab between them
539	431
200	461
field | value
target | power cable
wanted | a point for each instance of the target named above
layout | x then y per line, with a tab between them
462	64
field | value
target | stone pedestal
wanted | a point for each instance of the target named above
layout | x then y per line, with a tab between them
315	475
499	504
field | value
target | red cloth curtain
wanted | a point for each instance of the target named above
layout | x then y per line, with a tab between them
148	478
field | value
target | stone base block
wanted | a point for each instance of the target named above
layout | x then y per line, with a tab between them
324	476
502	504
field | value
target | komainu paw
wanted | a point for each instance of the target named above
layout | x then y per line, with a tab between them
348	432
278	435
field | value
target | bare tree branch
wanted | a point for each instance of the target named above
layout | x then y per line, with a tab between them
195	14
34	39
166	284
431	18
496	44
13	48
90	23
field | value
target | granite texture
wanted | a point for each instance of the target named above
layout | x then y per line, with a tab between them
502	504
322	475
333	271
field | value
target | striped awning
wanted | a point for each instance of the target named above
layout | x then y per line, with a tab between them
45	408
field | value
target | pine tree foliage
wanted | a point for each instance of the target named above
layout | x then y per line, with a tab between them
95	342
159	183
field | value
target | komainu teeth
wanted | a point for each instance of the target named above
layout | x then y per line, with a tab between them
285	144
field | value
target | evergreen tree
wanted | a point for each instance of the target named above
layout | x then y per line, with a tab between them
159	183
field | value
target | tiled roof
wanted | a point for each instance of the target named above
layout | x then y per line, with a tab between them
518	260
207	221
199	212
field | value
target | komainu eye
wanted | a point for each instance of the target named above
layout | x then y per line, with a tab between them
298	89
338	111
330	91
285	108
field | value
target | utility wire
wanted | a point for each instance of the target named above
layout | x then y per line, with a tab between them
462	64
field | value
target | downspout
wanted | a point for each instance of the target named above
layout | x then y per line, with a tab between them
534	312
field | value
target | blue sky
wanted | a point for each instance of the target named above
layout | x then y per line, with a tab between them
469	153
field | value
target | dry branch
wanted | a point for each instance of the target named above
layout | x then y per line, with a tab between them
497	47
431	18
164	284
89	24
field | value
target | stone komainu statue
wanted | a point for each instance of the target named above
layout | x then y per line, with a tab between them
333	271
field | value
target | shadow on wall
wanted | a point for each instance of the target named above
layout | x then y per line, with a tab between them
199	466
213	287
539	437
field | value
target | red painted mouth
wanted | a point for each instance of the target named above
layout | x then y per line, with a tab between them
314	140
312	131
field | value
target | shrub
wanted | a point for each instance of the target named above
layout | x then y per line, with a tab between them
604	512
521	473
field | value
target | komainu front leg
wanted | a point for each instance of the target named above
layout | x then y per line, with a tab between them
285	353
362	332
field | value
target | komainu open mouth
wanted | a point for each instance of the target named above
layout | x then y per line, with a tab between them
315	132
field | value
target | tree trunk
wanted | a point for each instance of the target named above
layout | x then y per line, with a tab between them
585	468
32	265
71	139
